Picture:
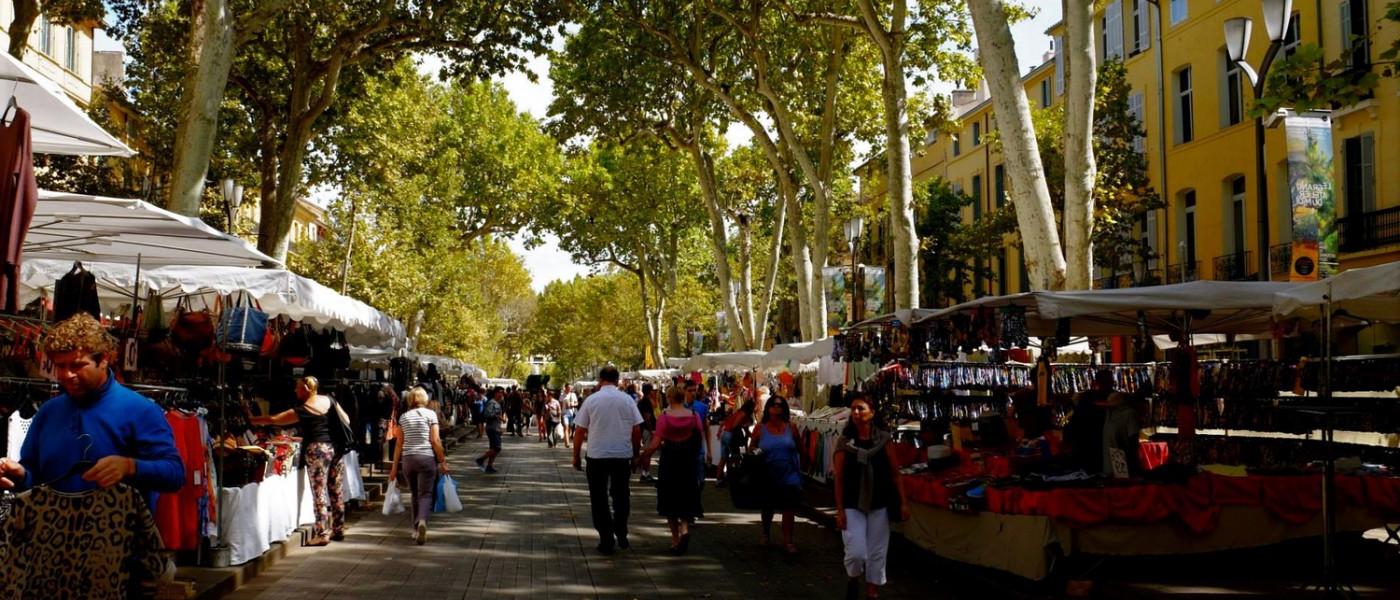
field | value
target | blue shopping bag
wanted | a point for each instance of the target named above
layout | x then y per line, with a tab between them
445	497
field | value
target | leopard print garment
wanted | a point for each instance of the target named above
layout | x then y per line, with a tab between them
97	544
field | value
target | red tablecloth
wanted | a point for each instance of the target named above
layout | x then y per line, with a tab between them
1196	504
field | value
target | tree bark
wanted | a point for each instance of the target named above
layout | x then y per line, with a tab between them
812	324
719	241
26	13
745	231
1080	168
899	176
775	252
210	56
1035	217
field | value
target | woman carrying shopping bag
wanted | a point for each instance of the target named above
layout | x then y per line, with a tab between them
319	443
680	436
421	453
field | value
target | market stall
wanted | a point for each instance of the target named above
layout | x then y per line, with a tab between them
1231	458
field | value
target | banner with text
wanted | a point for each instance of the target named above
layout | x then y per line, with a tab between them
1309	141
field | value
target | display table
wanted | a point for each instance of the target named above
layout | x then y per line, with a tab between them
1023	530
254	516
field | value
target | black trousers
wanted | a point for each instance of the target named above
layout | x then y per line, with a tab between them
608	478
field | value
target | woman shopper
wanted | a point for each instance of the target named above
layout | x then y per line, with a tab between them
325	470
679	435
733	437
869	492
422	457
647	406
554	414
777	439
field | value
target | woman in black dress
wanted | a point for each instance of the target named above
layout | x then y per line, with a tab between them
679	435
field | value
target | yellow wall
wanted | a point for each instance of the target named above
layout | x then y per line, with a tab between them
76	79
1218	152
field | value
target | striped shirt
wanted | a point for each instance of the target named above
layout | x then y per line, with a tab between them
417	425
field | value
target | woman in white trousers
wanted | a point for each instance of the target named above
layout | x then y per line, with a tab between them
869	493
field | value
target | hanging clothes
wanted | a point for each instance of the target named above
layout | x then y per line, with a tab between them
19	195
182	515
76	292
101	543
18	428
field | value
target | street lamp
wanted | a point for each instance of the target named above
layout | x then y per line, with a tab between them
854	228
233	198
1237	34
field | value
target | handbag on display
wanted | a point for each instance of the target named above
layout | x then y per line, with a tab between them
153	323
192	329
296	346
272	339
243	325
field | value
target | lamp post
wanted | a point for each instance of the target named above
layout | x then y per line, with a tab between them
854	228
233	198
1237	34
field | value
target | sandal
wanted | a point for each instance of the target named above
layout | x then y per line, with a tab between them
319	541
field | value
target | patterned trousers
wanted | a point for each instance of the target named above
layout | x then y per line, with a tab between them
326	472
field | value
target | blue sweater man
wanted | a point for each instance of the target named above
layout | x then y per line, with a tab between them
121	434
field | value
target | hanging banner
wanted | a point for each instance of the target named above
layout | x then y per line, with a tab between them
1309	141
835	285
873	285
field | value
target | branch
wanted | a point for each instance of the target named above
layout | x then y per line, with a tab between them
254	21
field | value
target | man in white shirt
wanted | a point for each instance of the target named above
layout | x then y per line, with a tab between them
610	423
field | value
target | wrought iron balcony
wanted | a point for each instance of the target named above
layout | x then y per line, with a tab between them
1369	230
1237	266
1177	274
1280	261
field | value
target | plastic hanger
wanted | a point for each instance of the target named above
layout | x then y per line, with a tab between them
9	106
84	463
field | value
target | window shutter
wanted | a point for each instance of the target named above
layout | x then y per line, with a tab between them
1368	172
1142	26
1113	29
1059	65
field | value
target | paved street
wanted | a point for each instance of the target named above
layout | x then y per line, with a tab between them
526	532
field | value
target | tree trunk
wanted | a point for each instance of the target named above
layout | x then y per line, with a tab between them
1080	170
719	241
810	323
899	175
745	230
774	255
210	56
26	13
349	244
1035	217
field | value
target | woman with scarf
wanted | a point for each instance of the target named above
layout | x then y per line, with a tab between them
869	493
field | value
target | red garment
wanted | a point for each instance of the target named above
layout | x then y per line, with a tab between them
19	195
177	513
678	429
1152	454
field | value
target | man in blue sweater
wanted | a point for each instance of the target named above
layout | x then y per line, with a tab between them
122	435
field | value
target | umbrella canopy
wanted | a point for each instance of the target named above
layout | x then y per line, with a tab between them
721	361
1240	307
1370	293
279	292
903	315
92	228
57	125
802	352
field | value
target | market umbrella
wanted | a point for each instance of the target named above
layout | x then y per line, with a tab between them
1370	293
57	125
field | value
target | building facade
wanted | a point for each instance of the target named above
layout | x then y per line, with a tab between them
63	53
1199	143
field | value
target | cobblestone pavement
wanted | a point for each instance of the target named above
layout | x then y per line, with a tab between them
526	532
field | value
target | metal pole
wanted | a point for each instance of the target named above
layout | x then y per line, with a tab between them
1260	175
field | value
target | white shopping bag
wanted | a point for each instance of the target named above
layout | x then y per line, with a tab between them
393	503
450	501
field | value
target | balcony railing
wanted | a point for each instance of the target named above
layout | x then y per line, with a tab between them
1177	274
1369	230
1280	261
1237	266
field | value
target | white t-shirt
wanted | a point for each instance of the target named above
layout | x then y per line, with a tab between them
609	416
417	432
570	400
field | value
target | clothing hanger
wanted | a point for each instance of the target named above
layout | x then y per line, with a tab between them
78	468
10	106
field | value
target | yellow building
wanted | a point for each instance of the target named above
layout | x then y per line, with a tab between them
62	53
1194	107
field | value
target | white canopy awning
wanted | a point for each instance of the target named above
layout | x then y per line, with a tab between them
1370	293
279	292
724	361
57	125
1240	307
903	315
95	229
371	357
652	375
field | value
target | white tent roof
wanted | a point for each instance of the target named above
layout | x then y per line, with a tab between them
452	366
903	315
721	361
802	352
371	356
92	228
279	292
57	125
1370	293
1229	307
652	375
